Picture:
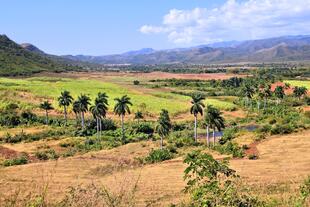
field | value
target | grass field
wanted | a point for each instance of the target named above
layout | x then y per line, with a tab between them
31	91
298	83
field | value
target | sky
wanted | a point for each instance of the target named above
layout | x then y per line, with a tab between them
100	27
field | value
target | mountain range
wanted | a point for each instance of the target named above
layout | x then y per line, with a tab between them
288	48
21	59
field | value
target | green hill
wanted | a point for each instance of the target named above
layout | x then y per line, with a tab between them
16	60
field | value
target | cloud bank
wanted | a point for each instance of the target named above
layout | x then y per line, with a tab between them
234	20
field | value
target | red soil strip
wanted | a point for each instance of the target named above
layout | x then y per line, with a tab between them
8	153
288	91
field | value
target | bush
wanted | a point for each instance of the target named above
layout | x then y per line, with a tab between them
22	136
158	156
136	82
143	127
22	160
28	117
253	157
228	135
47	155
231	149
282	129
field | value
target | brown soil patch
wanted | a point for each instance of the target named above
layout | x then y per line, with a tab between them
8	153
147	76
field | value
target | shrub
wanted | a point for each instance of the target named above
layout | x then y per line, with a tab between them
282	129
253	157
16	161
143	127
230	148
228	135
136	82
28	117
158	156
22	136
212	183
47	155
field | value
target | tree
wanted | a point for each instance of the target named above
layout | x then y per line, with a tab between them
76	110
266	93
279	93
299	92
197	108
83	103
138	116
46	106
248	92
64	100
163	126
213	118
121	108
102	100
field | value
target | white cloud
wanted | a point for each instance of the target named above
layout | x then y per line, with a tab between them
234	20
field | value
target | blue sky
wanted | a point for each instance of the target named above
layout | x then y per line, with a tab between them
98	27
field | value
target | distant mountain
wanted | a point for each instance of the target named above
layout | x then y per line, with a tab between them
25	59
288	48
143	51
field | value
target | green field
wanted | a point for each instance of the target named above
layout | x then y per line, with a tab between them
49	88
298	83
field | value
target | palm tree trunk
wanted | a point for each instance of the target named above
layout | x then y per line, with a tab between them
161	142
213	136
258	105
46	117
82	119
123	130
65	114
195	129
208	137
97	122
100	127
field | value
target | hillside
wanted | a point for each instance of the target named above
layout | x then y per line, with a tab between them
26	59
289	48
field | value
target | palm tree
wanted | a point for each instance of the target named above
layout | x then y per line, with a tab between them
138	116
163	126
300	91
248	92
64	100
46	106
213	118
266	92
121	108
98	110
197	108
279	93
76	110
83	103
102	102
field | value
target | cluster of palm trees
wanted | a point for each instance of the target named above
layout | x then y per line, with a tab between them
212	117
80	106
98	109
264	92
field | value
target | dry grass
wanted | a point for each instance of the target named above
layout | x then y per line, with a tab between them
283	164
